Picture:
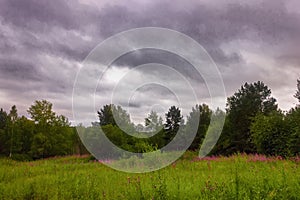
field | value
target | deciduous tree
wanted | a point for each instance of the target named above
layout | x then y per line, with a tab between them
198	121
153	123
242	107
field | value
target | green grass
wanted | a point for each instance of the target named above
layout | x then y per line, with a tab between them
236	177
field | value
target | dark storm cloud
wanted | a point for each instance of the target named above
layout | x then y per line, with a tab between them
52	27
265	22
270	19
42	14
200	23
42	42
154	90
18	70
144	56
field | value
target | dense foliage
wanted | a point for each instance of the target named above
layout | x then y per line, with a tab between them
253	124
242	107
45	134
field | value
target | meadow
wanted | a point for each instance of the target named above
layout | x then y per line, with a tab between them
79	177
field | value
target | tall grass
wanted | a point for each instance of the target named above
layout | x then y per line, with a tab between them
235	177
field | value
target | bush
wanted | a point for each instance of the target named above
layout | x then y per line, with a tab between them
21	157
272	135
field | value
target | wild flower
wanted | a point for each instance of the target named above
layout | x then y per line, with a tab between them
296	159
104	161
208	158
262	158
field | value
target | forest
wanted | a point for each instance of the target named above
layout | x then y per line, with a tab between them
253	124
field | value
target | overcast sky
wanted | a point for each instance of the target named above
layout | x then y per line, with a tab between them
43	44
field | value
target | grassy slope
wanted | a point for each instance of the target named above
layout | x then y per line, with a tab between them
237	177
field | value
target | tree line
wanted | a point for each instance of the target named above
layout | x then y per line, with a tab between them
253	124
44	135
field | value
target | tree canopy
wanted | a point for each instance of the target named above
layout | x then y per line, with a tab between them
253	124
153	123
250	100
198	120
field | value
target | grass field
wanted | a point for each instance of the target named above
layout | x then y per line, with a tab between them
75	177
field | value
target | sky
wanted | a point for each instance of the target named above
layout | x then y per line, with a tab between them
44	43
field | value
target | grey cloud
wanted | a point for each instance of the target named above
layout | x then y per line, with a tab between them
39	15
265	22
42	42
52	27
18	70
200	23
144	56
134	104
270	19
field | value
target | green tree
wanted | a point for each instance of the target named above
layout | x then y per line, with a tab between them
3	119
297	95
52	133
293	119
4	135
62	136
198	120
224	143
116	125
77	146
173	121
43	116
242	107
41	112
153	123
40	146
13	116
116	116
271	134
105	115
216	126
25	129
